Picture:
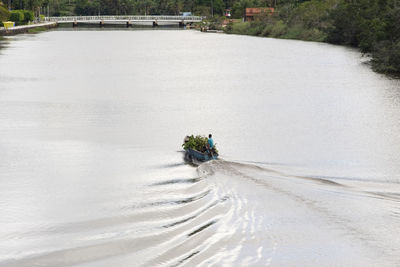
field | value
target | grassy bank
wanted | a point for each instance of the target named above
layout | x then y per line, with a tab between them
278	29
37	30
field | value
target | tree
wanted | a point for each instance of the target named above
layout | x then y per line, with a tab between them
239	8
174	7
145	6
4	14
345	26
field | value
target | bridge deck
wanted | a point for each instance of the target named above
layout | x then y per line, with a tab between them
71	19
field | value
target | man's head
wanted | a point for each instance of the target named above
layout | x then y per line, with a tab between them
210	135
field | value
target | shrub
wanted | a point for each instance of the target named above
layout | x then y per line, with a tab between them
294	32
279	29
241	27
255	28
28	16
228	28
314	35
387	57
215	22
17	16
301	33
267	30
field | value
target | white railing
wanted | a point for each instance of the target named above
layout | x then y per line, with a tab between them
125	18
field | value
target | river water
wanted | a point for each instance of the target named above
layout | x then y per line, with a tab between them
91	163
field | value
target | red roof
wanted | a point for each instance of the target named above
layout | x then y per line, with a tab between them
252	11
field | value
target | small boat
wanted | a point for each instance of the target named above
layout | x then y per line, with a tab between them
192	145
192	154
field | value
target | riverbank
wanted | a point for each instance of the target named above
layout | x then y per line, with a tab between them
33	28
370	26
385	57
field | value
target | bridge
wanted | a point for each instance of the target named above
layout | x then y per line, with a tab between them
129	20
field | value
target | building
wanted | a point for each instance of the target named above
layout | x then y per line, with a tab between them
185	14
255	11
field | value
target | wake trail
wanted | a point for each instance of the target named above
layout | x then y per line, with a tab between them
309	215
228	213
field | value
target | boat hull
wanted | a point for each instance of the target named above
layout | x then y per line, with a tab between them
199	156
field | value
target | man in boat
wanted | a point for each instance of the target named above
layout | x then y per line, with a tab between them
210	145
210	141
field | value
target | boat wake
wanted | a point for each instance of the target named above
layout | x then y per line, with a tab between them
229	213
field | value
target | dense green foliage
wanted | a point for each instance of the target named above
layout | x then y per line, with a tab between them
17	16
308	20
21	17
146	7
4	14
32	5
198	143
28	16
371	25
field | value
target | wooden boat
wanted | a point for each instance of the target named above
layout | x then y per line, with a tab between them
192	154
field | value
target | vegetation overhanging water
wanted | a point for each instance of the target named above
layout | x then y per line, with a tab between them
371	25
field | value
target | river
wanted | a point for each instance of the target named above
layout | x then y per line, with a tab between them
91	163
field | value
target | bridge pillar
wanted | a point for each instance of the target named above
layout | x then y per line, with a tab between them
155	23
74	24
102	23
128	24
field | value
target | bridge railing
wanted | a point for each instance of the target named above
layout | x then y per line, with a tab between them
124	18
